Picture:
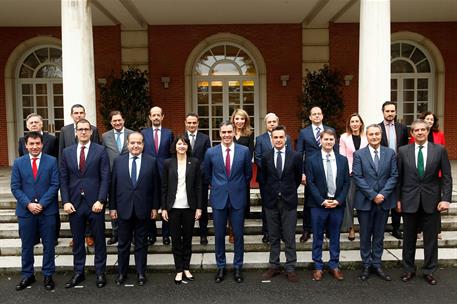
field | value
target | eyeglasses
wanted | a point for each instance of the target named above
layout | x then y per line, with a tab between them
83	130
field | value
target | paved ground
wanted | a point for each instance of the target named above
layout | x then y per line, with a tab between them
161	289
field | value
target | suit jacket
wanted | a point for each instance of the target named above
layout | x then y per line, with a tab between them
429	189
202	144
93	181
67	137
347	147
262	146
44	188
223	187
166	139
401	132
109	141
193	183
370	182
316	181
281	187
306	143
50	145
141	198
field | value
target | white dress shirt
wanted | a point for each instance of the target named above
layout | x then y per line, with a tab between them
372	152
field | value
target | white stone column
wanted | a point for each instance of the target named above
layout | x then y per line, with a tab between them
374	59
78	58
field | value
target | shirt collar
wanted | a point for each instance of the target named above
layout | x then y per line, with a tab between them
39	156
231	147
321	127
424	145
387	123
324	154
132	156
86	145
373	149
190	134
283	150
122	130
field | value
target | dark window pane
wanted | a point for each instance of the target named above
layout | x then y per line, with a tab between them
408	84
25	72
58	113
401	66
417	56
202	98
202	111
395	50
231	52
42	101
408	119
57	88
42	54
31	61
58	101
393	84
422	83
406	49
393	95
27	101
422	107
408	95
422	95
408	107
27	89
41	88
423	67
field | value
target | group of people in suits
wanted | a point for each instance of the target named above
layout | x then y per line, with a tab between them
138	173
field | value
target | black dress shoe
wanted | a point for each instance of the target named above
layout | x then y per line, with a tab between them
49	283
430	279
203	240
75	280
220	275
365	274
237	276
151	240
304	237
112	241
265	239
397	234
120	279
25	282
188	278
141	280
101	280
166	240
407	276
380	273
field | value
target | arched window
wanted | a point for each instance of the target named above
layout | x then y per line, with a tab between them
225	78
39	87
411	80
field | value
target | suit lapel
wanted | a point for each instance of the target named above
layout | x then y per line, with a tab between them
412	158
431	155
370	159
140	172
90	154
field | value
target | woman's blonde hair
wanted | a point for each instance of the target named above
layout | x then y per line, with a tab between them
246	131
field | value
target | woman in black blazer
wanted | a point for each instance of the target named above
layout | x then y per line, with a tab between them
181	203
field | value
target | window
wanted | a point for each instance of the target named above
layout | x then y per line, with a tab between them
411	80
225	78
39	87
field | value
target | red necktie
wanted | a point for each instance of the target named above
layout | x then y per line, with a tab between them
227	162
156	140
82	159
34	167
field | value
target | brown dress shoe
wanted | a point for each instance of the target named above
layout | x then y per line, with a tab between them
89	241
292	277
351	235
271	272
231	236
429	278
317	275
407	276
304	237
337	274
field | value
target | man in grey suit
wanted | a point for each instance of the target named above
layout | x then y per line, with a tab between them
375	174
115	141
68	138
425	189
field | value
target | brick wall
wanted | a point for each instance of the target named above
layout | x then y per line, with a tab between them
280	45
107	54
344	56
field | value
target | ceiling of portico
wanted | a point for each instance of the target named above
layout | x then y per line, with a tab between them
137	13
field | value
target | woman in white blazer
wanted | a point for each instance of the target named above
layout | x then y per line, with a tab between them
352	140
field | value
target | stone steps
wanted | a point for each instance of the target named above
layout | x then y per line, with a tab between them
206	261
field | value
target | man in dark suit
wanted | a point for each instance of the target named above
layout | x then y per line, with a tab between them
34	184
263	144
394	136
157	142
84	180
425	189
282	172
375	174
115	141
200	143
34	123
308	144
228	169
134	198
68	134
68	137
327	176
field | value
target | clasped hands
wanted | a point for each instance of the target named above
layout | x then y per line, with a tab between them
328	204
35	208
97	207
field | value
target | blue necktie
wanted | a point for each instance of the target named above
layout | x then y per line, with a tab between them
318	136
376	160
118	141
279	164
133	173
